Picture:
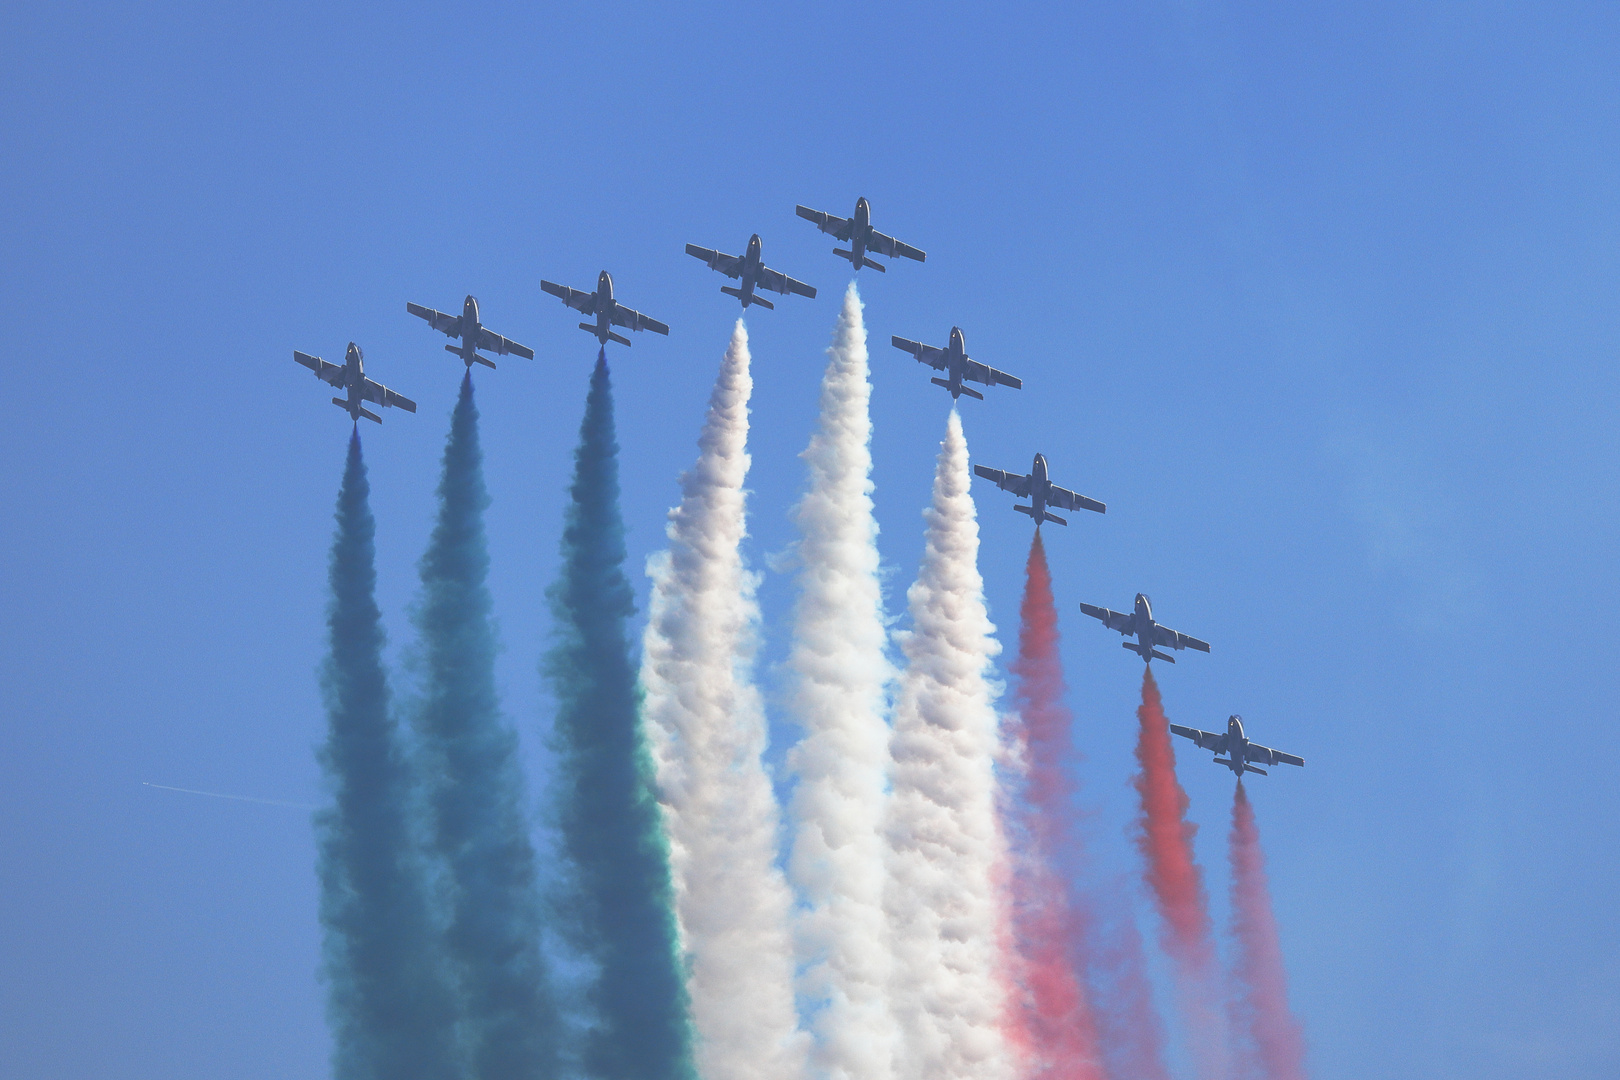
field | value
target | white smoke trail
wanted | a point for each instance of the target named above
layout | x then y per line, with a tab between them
945	841
840	673
707	727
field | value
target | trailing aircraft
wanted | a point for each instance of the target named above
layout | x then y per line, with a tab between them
953	358
607	310
1040	492
351	376
857	231
1236	746
1149	634
474	335
754	274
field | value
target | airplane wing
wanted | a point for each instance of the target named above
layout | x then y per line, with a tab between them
635	320
584	302
377	392
1209	740
449	325
888	245
490	341
1013	482
1114	620
827	223
729	265
1064	499
926	354
1163	635
331	373
776	281
983	373
1267	756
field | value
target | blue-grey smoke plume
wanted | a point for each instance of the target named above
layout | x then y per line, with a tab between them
621	911
391	1003
475	785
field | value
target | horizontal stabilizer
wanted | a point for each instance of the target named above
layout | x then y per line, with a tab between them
1026	510
876	266
1166	657
842	254
340	403
1053	517
369	415
615	337
487	363
946	383
588	327
1250	768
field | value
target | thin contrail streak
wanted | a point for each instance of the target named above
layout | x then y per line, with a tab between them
221	795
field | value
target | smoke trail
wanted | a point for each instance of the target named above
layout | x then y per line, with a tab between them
1132	1033
707	726
840	671
391	1004
475	783
1261	1009
1054	1019
944	834
1165	837
622	912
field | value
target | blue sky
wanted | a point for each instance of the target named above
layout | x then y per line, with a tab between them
1320	299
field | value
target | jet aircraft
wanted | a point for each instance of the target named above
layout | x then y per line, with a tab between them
1040	491
474	335
857	231
606	309
954	359
351	376
1148	633
754	274
1236	746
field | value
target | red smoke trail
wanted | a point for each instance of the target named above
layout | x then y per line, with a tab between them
1053	1025
1277	1043
1165	837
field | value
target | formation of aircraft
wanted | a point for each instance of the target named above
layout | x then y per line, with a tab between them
474	335
753	274
1149	634
1040	492
857	231
608	311
954	360
1236	746
351	376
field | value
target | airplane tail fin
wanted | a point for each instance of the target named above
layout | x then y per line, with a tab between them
842	254
615	337
1023	510
1049	517
755	299
369	415
588	327
487	363
340	403
946	383
970	392
879	267
1250	768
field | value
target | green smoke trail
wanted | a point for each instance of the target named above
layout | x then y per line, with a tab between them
475	784
391	1002
621	913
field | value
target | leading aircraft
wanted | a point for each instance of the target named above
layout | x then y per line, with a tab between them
474	335
606	309
351	376
1148	633
860	235
954	359
1236	746
754	274
1040	491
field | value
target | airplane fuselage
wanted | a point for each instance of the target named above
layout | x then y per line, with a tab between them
1142	625
469	332
604	306
1038	485
354	377
750	271
860	228
956	359
1237	745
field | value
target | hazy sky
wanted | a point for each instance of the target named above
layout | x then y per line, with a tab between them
1320	299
